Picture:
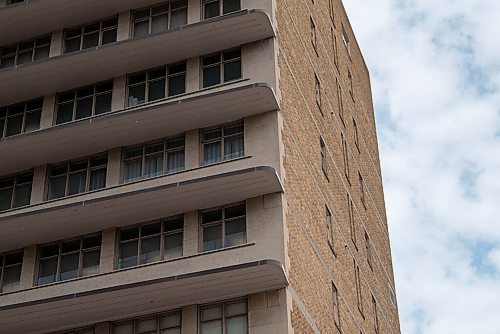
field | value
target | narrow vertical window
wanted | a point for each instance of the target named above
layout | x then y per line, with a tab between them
336	306
223	227
341	102
15	191
356	134
359	292
392	294
375	314
317	87
351	87
324	157
362	194
330	227
335	51
222	143
346	40
345	154
213	8
352	219
314	37
10	271
224	318
368	247
221	67
331	10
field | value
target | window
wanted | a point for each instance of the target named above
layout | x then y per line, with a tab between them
213	8
329	225
167	323
151	243
69	259
222	143
356	134
87	330
336	306
352	220
15	191
77	176
10	271
362	189
25	52
153	159
317	86
335	50
12	2
375	313
358	288
223	227
163	17
20	118
91	35
345	154
351	87
314	38
324	159
156	84
224	318
368	247
221	67
84	102
341	102
331	10
392	294
345	39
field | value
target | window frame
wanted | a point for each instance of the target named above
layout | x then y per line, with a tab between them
221	8
14	186
28	109
37	44
101	30
158	317
222	140
4	266
223	318
221	63
151	15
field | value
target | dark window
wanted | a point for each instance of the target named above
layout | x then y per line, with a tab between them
356	134
153	159
362	194
91	35
221	67
223	227
324	157
368	247
10	271
77	177
230	317
314	38
359	292
349	80
317	87
25	52
222	143
213	8
167	323
341	102
69	259
336	306
345	154
352	219
20	118
151	242
156	84
12	2
15	191
330	227
375	314
163	17
84	102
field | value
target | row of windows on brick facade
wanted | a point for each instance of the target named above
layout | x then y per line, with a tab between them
159	18
228	317
150	242
144	87
139	162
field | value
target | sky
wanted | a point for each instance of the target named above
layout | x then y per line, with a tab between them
435	71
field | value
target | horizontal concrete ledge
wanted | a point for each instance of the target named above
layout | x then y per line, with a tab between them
135	125
77	69
137	202
141	294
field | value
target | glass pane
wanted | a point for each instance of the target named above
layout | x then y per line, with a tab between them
211	153
109	36
5	199
153	166
237	325
47	271
232	71
238	308
69	266
231	6
83	108
42	53
32	121
77	183
212	134
49	250
128	255
70	246
141	29
235	233
146	325
177	85
233	129
151	229
136	95
150	250
173	245
124	329
211	216
22	195
25	57
212	238
90	242
64	113
90	264
171	331
72	45
171	320
211	76
14	125
233	147
132	171
211	313
212	9
102	103
97	179
178	18
11	277
156	90
212	327
175	161
91	40
131	233
8	61
57	187
159	23
2	125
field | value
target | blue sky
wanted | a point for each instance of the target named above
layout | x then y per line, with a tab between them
435	67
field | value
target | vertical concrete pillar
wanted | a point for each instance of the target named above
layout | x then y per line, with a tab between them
193	83
124	28
190	242
267	312
48	111
189	319
119	93
38	187
194	11
113	173
29	267
192	149
102	328
108	248
56	43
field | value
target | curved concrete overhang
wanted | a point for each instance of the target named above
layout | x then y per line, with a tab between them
136	291
85	67
134	125
137	202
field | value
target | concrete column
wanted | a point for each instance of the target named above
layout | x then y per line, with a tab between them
189	319
102	328
38	187
193	83
48	111
119	93
124	28
190	242
108	248
194	11
192	149
267	312
29	267
56	43
113	173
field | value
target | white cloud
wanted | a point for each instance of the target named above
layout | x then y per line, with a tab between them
436	83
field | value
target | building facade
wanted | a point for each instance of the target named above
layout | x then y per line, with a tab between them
189	166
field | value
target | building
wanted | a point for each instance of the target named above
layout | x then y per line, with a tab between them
189	166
